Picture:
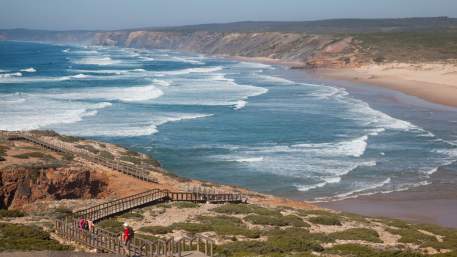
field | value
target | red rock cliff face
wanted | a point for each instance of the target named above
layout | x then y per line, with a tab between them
19	186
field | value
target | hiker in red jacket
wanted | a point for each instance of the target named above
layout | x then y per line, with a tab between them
128	234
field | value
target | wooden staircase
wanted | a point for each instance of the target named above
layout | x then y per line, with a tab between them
106	241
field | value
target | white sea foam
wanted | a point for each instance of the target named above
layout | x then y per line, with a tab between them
365	188
304	188
193	70
162	83
254	159
275	80
31	69
240	105
39	113
66	50
138	127
252	65
125	94
80	76
11	75
355	147
186	60
102	61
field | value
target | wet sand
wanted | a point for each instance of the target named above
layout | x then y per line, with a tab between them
435	203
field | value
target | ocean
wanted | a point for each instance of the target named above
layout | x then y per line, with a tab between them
257	126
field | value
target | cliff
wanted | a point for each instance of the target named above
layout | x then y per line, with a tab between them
312	44
306	49
23	185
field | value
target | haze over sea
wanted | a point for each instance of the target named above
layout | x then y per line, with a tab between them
226	121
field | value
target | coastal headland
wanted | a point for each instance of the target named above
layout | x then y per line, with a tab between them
414	56
52	185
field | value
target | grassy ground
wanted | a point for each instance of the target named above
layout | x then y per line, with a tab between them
410	46
251	230
26	238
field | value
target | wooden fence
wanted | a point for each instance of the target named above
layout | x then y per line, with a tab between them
107	241
128	169
121	205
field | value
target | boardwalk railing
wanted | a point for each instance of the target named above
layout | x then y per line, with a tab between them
107	241
128	169
108	209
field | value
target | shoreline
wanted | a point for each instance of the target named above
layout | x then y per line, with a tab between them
432	82
435	203
435	83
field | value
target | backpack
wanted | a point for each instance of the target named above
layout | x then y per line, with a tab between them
131	233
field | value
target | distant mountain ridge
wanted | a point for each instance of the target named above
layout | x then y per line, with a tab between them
324	43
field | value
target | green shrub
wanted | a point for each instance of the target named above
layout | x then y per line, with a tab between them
11	213
289	220
246	209
295	221
357	250
326	220
156	230
191	227
132	215
61	212
69	139
226	225
246	248
131	159
146	237
68	156
163	205
289	242
186	205
89	148
107	155
39	155
364	234
112	225
27	238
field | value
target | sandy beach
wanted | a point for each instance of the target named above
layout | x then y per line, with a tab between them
435	203
433	82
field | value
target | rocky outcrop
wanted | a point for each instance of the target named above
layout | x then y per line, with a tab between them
22	185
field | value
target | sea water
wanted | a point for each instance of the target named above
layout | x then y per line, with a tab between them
227	121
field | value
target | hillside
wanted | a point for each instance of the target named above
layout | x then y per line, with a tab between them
309	44
265	226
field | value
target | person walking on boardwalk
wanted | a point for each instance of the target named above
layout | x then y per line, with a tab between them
81	223
91	225
128	234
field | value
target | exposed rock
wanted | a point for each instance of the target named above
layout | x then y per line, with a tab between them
22	185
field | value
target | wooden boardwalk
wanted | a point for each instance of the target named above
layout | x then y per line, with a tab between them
136	171
109	242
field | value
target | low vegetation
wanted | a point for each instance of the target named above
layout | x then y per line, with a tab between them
246	209
38	155
112	225
326	220
156	230
289	220
186	205
27	238
410	46
11	213
363	234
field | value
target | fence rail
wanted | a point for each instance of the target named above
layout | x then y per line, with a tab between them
107	241
128	169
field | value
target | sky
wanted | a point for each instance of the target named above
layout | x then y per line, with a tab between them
118	14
